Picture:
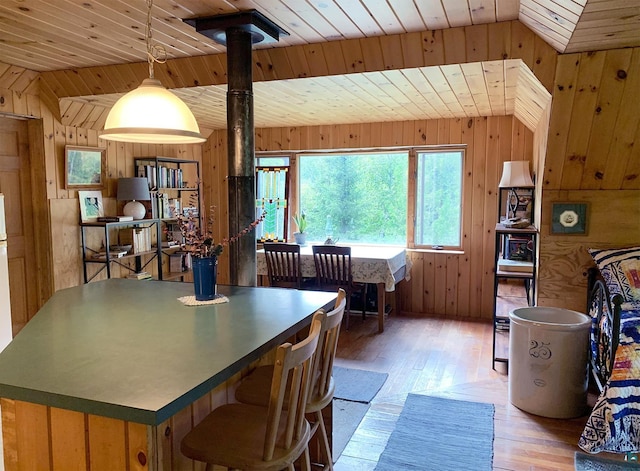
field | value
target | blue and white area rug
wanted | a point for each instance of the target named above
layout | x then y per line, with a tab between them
439	434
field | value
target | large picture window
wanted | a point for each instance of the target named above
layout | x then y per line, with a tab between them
438	205
354	197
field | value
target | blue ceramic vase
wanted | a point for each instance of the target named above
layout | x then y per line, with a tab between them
205	273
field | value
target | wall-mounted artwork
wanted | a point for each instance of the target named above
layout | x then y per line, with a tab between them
569	218
84	167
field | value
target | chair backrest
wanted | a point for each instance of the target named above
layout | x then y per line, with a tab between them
294	362
333	266
283	265
326	351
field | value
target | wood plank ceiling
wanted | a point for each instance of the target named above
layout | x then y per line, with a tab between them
45	35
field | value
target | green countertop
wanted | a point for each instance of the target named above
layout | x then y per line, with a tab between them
129	350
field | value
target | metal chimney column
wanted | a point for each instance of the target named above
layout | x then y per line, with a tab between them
239	31
241	155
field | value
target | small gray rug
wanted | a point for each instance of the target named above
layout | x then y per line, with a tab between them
586	462
347	415
439	434
357	385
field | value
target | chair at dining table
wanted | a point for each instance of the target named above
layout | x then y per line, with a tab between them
333	271
270	436
283	265
254	389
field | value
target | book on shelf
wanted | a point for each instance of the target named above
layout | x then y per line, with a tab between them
115	218
112	254
143	275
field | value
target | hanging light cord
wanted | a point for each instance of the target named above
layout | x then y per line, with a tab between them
155	53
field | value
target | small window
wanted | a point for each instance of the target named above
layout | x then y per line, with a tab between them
438	212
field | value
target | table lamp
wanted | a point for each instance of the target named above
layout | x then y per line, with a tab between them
515	174
134	190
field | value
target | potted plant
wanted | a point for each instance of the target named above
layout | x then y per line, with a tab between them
204	251
301	221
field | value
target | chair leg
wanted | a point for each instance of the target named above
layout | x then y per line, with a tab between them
364	301
347	310
325	441
306	461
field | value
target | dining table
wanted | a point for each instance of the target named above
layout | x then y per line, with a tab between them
112	374
382	265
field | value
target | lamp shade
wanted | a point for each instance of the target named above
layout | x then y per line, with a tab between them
151	114
136	188
515	174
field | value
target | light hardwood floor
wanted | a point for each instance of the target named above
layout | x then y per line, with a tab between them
448	358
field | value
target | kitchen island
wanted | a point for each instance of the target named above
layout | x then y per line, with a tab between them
112	374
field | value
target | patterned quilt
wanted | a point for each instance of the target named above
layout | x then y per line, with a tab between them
614	423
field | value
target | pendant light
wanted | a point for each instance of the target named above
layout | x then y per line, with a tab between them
151	113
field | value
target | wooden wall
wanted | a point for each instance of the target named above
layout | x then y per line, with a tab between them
593	157
448	283
56	210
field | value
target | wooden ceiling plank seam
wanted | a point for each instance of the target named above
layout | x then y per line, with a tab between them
372	92
335	60
457	12
262	67
407	15
50	20
126	23
499	41
454	75
71	112
522	43
507	10
601	44
433	14
599	18
555	26
619	30
474	76
567	12
298	60
631	180
482	11
564	91
367	24
296	15
439	83
386	17
611	90
353	57
590	71
11	76
494	73
419	81
412	51
433	47
330	10
410	93
455	51
45	56
558	43
280	63
591	5
316	59
392	52
477	42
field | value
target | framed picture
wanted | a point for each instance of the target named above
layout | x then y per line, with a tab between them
91	207
569	218
84	167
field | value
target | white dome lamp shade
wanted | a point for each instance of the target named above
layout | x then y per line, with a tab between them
151	113
134	190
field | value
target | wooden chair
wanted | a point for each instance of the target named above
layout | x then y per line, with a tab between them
283	265
254	388
333	271
270	437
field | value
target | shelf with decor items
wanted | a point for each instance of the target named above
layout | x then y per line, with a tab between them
174	185
132	245
516	240
175	190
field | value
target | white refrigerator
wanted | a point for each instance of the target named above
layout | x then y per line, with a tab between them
5	306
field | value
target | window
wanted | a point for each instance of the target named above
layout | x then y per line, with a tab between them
438	205
355	197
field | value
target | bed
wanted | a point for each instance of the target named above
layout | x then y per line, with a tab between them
614	306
